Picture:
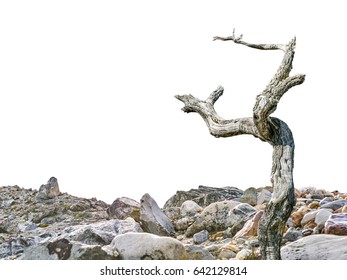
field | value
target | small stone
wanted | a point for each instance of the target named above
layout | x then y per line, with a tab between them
245	254
200	237
198	253
310	216
292	234
322	216
231	247
173	213
27	226
314	205
297	193
182	224
344	209
297	217
307	231
226	255
254	243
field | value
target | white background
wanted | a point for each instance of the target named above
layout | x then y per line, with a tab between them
87	94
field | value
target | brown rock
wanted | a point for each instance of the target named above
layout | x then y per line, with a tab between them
297	193
310	224
314	205
297	217
251	226
260	207
336	224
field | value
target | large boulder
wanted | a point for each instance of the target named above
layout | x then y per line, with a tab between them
336	224
203	196
222	215
264	196
153	219
100	233
190	208
336	204
316	247
213	217
250	196
75	242
146	246
63	249
123	208
49	190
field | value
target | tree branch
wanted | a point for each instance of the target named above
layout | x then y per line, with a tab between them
237	40
217	126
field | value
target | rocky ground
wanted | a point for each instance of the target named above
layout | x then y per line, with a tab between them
200	224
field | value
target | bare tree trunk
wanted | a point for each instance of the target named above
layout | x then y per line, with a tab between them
268	129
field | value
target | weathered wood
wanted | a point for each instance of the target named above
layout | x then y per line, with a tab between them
268	129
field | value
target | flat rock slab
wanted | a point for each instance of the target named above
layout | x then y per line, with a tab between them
316	247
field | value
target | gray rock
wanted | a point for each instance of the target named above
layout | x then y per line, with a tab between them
173	213
326	200
238	216
26	226
244	254
308	217
64	249
336	204
321	217
123	208
292	234
316	247
264	196
198	253
183	224
203	196
153	219
213	218
190	208
200	237
220	216
226	254
100	233
250	196
50	190
146	246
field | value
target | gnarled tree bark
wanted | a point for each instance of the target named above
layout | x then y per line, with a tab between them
268	129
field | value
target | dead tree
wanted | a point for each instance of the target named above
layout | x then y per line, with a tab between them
269	129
